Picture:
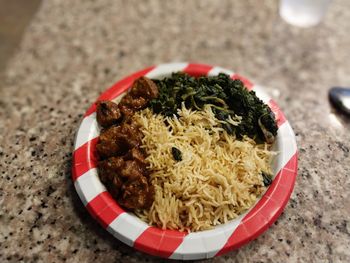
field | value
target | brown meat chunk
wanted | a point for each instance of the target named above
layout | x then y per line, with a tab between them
134	103
130	135
144	87
110	168
136	193
136	154
107	113
107	145
115	187
107	149
132	169
117	140
126	112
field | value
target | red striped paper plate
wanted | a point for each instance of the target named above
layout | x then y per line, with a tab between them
174	244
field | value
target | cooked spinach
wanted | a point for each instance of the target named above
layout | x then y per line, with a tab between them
267	178
176	154
226	97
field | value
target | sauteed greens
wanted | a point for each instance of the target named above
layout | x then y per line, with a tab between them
227	98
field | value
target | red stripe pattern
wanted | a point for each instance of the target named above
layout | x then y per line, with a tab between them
197	70
278	113
158	242
267	210
84	158
107	208
165	243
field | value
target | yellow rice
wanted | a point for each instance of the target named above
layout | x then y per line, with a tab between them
218	178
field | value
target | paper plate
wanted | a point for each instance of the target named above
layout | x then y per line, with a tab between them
174	244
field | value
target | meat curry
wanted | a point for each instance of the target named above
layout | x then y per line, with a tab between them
122	166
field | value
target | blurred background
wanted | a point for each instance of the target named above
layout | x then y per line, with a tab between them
15	16
57	56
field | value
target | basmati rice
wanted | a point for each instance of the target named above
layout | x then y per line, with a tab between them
218	178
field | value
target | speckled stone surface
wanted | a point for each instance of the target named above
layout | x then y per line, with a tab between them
73	50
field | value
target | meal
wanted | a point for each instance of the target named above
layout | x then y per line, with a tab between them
186	153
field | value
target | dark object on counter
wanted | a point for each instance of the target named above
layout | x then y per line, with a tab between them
122	166
340	99
226	96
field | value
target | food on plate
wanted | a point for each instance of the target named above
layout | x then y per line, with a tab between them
186	153
122	166
108	113
227	97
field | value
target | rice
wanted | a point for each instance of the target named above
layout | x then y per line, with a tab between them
217	179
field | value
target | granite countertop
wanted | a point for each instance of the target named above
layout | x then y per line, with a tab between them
73	50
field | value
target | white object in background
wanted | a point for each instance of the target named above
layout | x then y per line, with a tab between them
303	13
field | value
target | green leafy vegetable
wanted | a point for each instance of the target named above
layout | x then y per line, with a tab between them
227	98
267	178
176	154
